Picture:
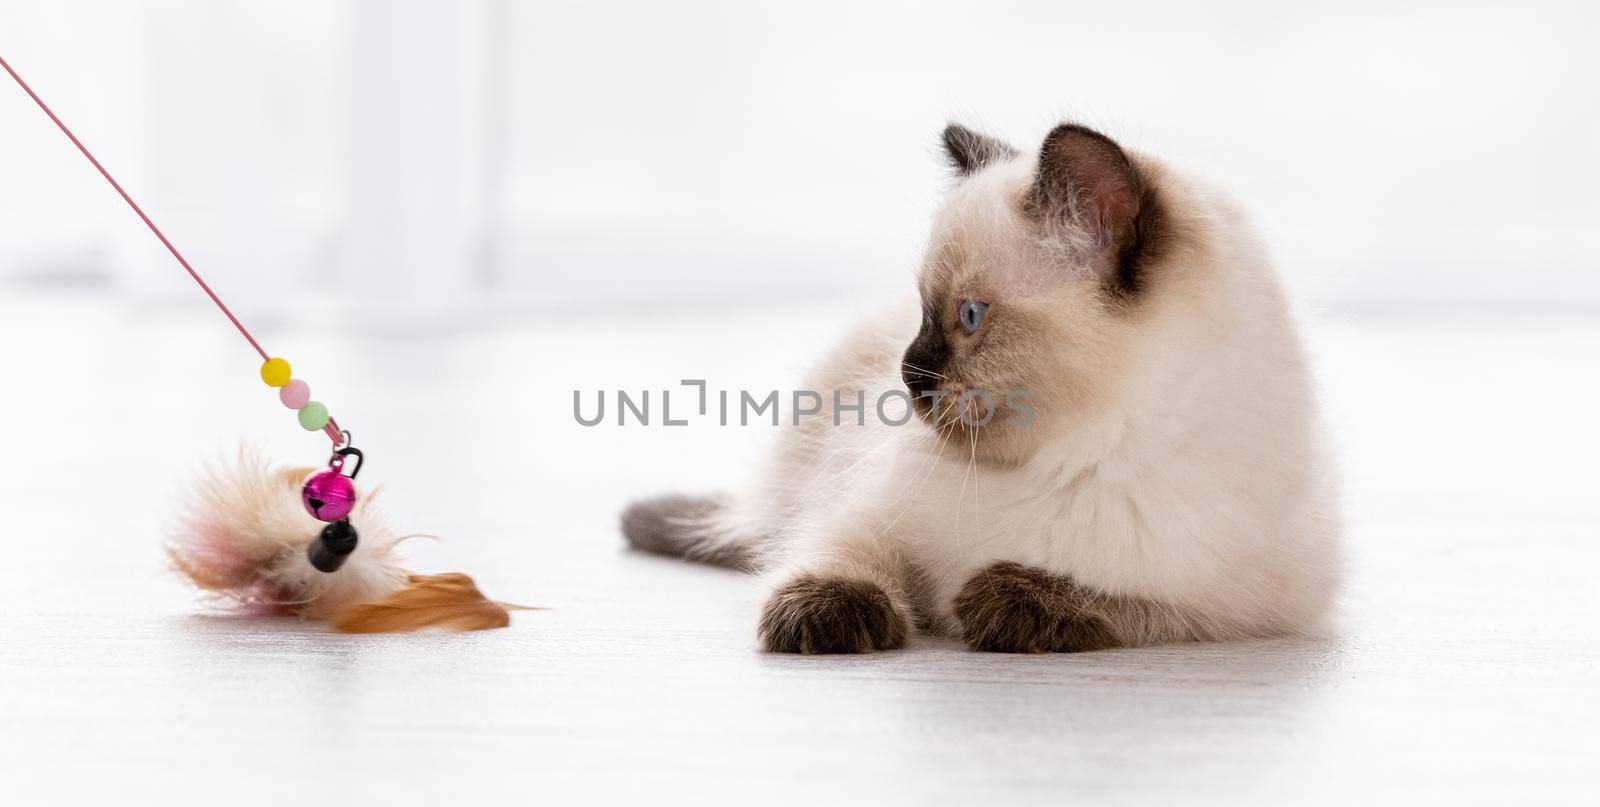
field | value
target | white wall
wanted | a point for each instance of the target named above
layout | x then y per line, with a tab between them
1396	156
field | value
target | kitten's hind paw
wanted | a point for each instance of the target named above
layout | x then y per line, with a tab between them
814	614
1011	608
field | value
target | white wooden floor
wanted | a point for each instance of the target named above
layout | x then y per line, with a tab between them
1466	670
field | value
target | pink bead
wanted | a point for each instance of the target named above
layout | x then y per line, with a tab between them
294	394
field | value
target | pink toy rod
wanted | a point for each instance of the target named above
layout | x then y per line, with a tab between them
135	205
332	427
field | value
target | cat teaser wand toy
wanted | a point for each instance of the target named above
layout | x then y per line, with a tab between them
243	542
328	494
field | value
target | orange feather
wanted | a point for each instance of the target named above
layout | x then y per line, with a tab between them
441	601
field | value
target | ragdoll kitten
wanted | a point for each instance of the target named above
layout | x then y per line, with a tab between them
1158	479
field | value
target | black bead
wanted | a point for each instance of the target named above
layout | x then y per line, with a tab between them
333	546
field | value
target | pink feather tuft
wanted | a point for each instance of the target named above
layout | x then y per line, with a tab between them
245	541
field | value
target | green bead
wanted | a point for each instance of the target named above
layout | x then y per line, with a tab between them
313	416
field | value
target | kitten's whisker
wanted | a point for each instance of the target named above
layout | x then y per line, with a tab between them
961	497
932	464
923	371
972	463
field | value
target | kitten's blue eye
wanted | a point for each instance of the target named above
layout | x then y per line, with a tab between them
972	315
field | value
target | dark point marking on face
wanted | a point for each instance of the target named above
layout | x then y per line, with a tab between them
816	615
969	151
1011	608
926	358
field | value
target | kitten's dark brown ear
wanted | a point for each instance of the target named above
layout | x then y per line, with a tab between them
1085	178
969	151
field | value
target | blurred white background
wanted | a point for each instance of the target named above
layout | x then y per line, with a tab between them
436	158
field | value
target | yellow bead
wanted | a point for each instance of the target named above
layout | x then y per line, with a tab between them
275	372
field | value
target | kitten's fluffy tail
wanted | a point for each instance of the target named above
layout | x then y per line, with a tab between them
698	528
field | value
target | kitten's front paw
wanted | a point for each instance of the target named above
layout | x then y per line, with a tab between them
1011	608
831	615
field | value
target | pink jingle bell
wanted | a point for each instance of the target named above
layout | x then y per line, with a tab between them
329	494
